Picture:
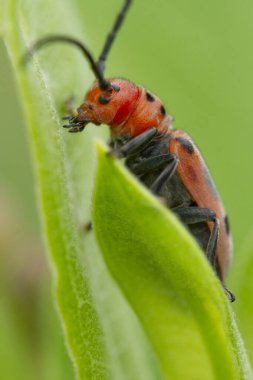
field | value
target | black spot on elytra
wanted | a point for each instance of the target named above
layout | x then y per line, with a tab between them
150	97
227	224
186	144
163	111
103	99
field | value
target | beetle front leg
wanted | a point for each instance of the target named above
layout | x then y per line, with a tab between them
135	145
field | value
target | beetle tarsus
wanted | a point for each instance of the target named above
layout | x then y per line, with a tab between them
229	294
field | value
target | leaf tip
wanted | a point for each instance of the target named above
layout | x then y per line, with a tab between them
101	147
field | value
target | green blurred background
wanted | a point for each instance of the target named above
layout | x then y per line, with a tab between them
197	56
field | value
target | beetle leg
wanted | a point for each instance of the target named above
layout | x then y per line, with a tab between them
150	164
135	145
192	215
165	176
229	294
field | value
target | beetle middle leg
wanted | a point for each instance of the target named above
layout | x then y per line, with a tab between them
165	176
151	164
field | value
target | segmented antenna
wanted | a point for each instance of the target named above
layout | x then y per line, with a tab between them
96	67
111	36
104	85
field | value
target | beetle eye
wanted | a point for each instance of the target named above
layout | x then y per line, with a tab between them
103	99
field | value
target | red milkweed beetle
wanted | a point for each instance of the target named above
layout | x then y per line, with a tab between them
166	160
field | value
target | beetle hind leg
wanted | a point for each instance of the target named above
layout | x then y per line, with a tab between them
192	215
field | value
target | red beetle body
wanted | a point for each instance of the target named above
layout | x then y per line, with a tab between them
164	159
129	111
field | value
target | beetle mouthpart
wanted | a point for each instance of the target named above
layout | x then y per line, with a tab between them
75	125
80	128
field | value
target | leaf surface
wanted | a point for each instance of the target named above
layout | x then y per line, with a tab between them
166	279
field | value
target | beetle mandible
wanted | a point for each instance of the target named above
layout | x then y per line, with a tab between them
164	159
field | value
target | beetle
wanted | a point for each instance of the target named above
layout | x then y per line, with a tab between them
164	159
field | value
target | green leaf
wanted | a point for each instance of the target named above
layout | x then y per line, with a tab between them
243	280
166	279
83	332
102	333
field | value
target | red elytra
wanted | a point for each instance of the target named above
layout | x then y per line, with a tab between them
166	160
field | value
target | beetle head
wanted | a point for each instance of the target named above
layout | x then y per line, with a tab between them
112	106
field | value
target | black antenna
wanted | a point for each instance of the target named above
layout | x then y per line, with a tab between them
97	67
112	35
103	84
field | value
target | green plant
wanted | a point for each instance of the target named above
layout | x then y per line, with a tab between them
166	315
